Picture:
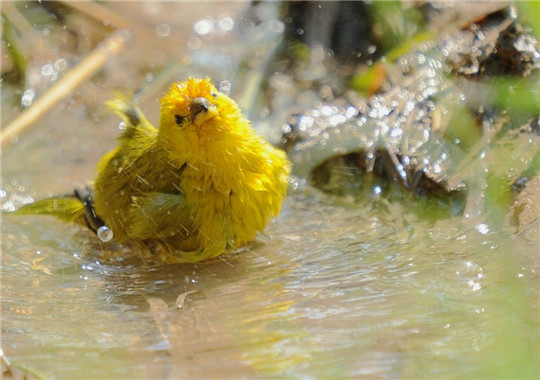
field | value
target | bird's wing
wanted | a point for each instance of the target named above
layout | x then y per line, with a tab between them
156	215
133	118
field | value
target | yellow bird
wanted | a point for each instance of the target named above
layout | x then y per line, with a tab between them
204	183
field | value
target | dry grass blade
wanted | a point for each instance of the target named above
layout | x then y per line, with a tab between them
99	13
65	86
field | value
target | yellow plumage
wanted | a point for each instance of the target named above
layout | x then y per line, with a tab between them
202	184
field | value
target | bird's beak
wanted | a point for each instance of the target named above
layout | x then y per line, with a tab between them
202	110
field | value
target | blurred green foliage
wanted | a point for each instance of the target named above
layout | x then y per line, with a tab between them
520	96
12	39
529	13
462	129
394	23
397	29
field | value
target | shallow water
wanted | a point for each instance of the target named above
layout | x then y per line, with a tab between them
333	289
329	291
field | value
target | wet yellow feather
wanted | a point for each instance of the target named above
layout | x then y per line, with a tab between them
202	184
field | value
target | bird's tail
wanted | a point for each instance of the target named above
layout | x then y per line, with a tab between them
74	208
65	207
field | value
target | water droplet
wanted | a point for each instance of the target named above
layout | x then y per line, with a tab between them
350	112
163	30
482	228
396	132
28	97
226	24
468	273
60	64
224	86
326	110
47	70
105	234
9	206
474	285
203	27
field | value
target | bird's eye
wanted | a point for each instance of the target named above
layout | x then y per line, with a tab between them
179	119
214	94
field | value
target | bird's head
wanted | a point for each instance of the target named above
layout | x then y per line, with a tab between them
194	111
